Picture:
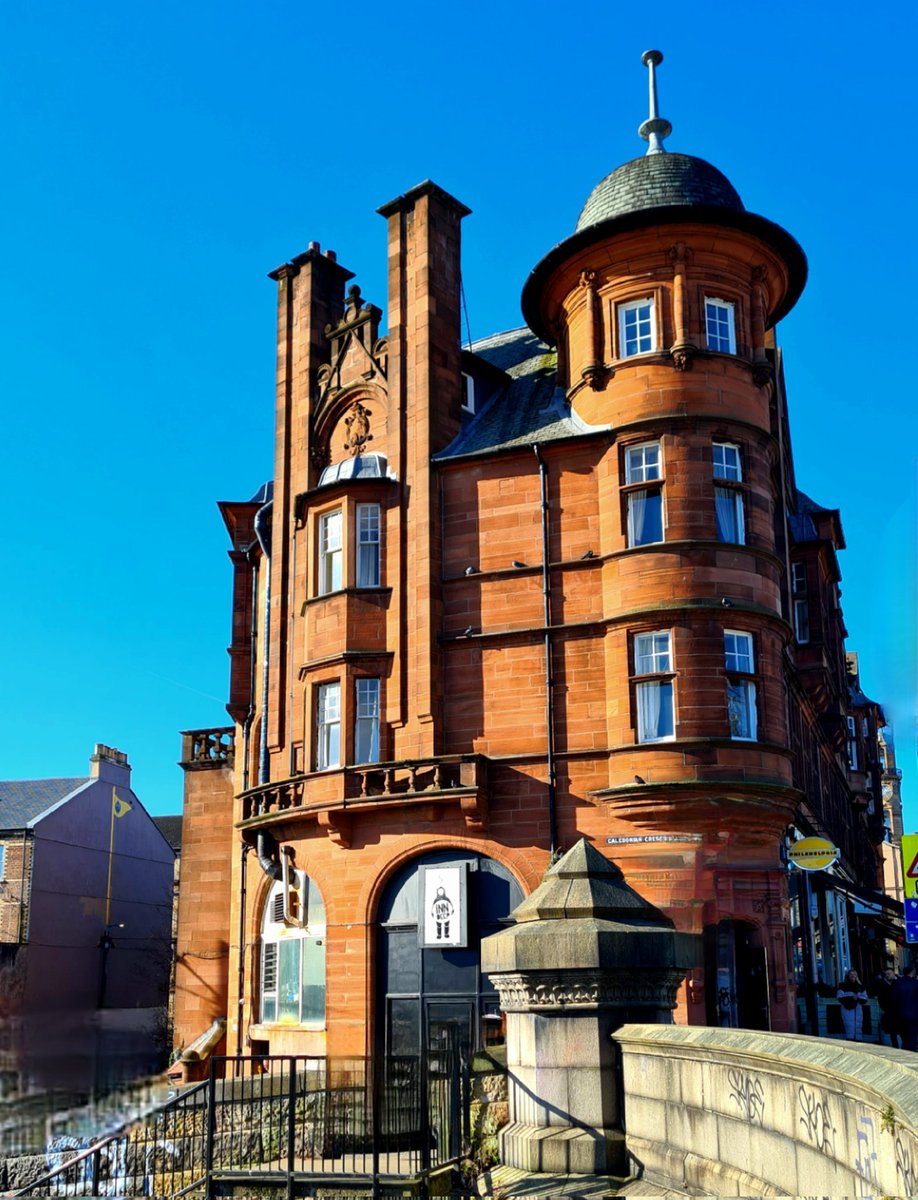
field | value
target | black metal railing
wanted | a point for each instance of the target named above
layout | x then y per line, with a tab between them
287	1121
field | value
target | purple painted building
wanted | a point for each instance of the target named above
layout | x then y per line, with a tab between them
86	881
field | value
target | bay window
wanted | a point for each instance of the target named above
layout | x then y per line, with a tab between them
331	552
328	726
367	545
366	723
654	696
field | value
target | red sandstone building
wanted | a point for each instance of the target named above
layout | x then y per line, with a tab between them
559	583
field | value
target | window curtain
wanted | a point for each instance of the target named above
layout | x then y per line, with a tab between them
725	506
655	711
637	511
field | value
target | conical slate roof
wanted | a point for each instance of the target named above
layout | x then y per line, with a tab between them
658	181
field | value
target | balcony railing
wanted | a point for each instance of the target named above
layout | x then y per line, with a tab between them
334	797
205	748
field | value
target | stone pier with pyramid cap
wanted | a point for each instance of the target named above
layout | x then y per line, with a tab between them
585	955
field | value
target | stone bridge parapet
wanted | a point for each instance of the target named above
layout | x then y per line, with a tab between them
735	1112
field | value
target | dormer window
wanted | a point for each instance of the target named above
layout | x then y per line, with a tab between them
720	325
636	333
468	393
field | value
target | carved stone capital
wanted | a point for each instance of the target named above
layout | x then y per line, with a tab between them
760	273
682	355
595	374
762	373
564	990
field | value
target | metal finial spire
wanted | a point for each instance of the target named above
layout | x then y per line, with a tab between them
656	128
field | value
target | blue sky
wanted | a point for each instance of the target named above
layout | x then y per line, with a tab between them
159	160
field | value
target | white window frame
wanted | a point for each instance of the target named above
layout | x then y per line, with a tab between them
653	656
331	551
798	578
739	659
720	325
727	460
366	720
368	521
278	937
853	758
468	393
737	502
328	725
643	462
639	338
802	621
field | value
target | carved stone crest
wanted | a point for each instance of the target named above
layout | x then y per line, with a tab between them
358	428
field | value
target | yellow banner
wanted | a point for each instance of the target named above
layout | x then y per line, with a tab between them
119	806
910	864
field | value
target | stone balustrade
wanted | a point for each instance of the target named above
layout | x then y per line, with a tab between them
330	795
208	748
734	1112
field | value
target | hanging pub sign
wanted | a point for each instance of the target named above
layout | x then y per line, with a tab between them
443	917
813	853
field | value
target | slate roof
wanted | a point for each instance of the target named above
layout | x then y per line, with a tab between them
529	408
658	181
22	800
171	829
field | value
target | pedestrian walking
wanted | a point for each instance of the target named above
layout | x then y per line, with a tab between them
853	998
882	989
905	1008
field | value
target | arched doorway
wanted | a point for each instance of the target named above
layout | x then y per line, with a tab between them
427	992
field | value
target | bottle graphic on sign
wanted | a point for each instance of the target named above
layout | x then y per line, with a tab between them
442	911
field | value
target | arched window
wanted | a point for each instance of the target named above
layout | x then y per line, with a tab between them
293	954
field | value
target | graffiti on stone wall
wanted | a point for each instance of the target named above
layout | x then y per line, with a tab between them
817	1120
748	1093
866	1162
906	1168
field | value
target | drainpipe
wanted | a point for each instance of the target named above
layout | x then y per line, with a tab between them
253	655
240	974
262	532
20	930
292	651
549	680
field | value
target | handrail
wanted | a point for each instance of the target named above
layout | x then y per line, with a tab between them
106	1140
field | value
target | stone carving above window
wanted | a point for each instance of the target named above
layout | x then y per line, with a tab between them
357	353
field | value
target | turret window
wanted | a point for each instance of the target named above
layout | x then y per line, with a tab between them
720	325
739	660
636	332
654	697
729	502
643	464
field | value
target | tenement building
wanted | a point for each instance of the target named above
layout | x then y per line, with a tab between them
556	583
